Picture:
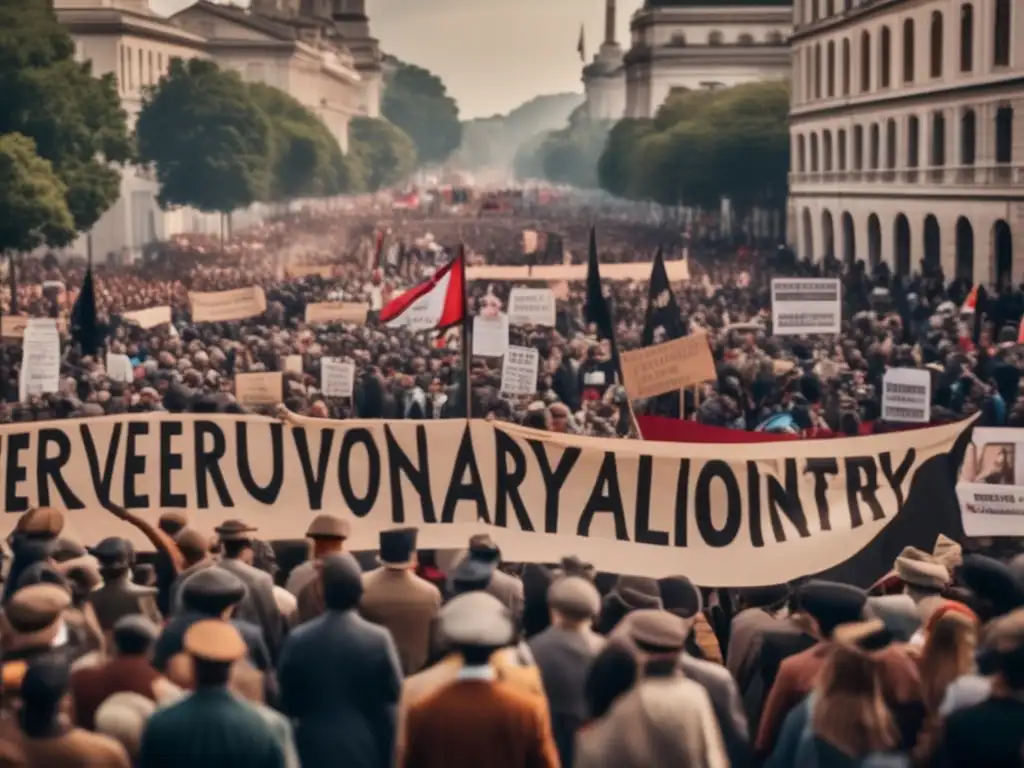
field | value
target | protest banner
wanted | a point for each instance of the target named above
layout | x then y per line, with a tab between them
519	370
311	270
149	318
336	312
990	488
259	388
638	271
13	326
750	515
337	377
806	306
224	306
907	395
667	367
531	306
40	358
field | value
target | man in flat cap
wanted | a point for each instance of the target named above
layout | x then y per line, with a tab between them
399	600
508	589
259	605
129	670
211	728
340	678
119	596
499	726
212	593
32	623
564	652
34	538
328	534
666	719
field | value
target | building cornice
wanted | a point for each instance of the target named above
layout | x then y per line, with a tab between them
715	55
115	21
866	10
644	19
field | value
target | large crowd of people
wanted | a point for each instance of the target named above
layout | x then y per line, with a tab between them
214	653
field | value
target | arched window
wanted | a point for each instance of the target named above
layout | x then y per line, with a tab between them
814	9
875	149
808	75
913	141
936	45
938	140
826	141
745	39
1004	135
966	37
817	71
858	147
814	153
1002	30
968	142
865	62
890	144
846	66
829	8
774	37
678	40
884	57
715	37
841	149
908	51
801	154
830	79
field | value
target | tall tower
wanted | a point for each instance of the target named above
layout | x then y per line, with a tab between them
609	22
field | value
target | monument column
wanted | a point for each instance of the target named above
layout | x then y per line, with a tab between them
609	22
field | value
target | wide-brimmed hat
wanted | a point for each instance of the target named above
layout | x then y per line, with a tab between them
234	530
328	527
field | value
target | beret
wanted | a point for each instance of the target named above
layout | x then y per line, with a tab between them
477	618
215	641
41	521
113	551
657	631
36	607
574	596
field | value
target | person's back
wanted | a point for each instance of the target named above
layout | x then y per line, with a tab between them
990	734
209	728
74	748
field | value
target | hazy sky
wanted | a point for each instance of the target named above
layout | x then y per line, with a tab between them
492	54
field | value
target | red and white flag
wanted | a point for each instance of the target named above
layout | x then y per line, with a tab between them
434	305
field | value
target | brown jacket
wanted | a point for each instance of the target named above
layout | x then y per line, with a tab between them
91	686
498	726
405	605
121	598
77	748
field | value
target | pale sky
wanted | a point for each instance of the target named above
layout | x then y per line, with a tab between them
492	54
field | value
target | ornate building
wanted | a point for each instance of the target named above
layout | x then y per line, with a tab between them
696	44
906	137
604	79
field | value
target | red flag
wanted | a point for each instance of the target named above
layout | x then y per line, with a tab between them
437	304
971	302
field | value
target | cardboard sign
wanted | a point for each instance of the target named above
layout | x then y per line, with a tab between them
531	306
519	371
806	306
667	367
907	395
13	326
259	388
119	368
148	318
293	364
225	306
337	377
40	358
490	335
336	312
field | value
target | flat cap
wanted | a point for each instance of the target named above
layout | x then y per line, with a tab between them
992	580
215	641
134	634
234	530
680	596
920	569
473	575
483	547
192	543
36	607
328	527
114	552
172	522
122	716
212	590
636	592
41	521
831	603
477	618
657	631
574	596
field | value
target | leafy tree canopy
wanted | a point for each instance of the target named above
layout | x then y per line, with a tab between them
702	146
74	118
210	142
569	155
417	101
384	154
33	200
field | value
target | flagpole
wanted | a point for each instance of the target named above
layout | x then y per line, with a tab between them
467	337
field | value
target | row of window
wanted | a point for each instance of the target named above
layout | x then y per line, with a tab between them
715	37
823	155
822	78
138	68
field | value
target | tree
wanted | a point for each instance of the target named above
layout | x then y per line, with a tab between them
306	160
417	101
33	200
386	153
615	166
74	118
211	144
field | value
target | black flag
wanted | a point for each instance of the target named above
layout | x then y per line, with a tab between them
596	309
662	308
85	325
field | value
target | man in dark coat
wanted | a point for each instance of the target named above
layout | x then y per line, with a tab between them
340	678
211	727
120	596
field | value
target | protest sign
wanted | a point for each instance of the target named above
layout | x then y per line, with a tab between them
40	358
531	306
990	488
667	367
259	388
149	318
119	368
529	241
638	271
749	515
519	370
490	335
806	306
907	395
337	377
13	326
336	312
224	306
293	364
